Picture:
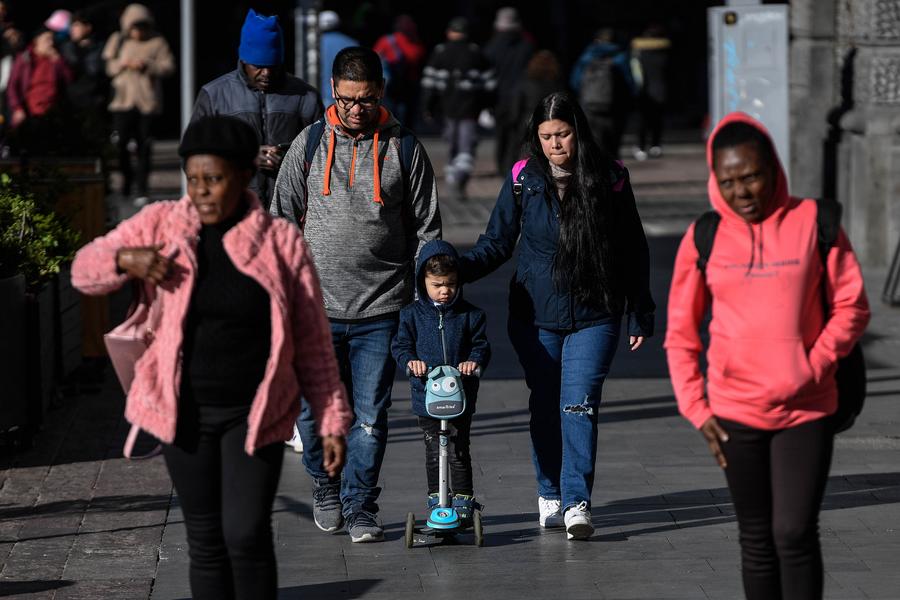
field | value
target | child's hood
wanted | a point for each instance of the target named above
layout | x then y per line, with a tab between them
433	248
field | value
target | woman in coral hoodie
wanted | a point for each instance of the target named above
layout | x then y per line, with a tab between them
242	334
773	351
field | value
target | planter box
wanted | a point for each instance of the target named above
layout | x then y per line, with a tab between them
68	324
14	394
85	207
41	348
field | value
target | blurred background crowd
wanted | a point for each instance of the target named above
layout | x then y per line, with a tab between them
88	78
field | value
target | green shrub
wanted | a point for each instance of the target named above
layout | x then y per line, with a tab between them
34	240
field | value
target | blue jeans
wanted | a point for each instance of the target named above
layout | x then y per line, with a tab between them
565	371
367	369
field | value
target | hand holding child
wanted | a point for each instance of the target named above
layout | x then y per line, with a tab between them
417	367
468	367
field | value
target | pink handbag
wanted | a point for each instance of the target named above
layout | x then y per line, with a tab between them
128	341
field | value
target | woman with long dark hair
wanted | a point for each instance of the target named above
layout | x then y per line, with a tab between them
583	264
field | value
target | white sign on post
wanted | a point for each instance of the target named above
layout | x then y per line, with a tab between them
748	68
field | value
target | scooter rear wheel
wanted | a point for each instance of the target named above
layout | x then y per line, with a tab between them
410	529
479	530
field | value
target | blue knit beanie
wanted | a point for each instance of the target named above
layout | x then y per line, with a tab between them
262	43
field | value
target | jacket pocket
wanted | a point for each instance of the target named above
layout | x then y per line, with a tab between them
766	369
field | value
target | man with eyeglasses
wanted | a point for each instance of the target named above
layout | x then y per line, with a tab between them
276	104
362	188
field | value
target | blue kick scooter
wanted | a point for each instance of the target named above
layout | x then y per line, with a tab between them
444	400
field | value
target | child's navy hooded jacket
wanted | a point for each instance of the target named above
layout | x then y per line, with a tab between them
419	334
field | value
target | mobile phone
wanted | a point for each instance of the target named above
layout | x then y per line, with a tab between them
283	147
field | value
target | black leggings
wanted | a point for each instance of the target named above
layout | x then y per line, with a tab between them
777	480
459	458
226	497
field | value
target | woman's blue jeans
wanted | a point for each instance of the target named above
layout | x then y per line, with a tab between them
565	371
367	370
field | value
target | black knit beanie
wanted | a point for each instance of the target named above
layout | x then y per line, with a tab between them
227	137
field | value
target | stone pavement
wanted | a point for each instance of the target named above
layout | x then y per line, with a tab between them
80	522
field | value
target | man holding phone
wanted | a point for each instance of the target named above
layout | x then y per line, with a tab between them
276	104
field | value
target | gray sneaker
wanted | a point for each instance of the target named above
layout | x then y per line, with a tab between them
364	527
327	507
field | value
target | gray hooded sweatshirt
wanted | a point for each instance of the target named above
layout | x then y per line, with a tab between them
363	219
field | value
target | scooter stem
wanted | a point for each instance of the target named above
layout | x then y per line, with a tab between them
443	464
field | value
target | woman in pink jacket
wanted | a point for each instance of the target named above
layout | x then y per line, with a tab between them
242	335
773	351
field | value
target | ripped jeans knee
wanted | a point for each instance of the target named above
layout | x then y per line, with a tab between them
586	408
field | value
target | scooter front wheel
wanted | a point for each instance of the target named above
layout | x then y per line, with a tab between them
479	530
410	529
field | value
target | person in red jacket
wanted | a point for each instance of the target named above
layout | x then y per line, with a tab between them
773	352
38	80
403	55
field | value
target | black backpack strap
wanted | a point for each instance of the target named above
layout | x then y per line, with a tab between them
316	131
704	235
407	147
828	221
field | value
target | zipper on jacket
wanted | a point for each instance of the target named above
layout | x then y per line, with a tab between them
353	161
441	329
193	242
263	119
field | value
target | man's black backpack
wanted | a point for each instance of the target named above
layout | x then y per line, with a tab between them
851	370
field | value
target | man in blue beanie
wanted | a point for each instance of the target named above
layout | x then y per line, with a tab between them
275	103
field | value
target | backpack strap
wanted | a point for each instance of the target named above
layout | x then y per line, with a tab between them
704	235
618	176
407	147
316	131
516	184
828	222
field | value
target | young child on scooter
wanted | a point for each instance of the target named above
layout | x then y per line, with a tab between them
441	312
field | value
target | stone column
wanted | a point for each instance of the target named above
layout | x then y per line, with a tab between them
868	158
814	89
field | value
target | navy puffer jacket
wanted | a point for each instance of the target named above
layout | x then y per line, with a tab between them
534	296
419	334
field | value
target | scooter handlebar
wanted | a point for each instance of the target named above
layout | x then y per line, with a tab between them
477	372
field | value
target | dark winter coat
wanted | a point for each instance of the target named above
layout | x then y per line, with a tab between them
509	53
277	116
534	296
90	88
457	81
419	333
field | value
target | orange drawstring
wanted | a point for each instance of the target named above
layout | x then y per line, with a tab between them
326	188
377	173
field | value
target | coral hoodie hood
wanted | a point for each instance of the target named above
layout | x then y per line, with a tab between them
773	346
777	205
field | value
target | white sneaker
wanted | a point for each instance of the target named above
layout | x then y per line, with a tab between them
655	151
295	442
639	155
140	201
551	515
578	522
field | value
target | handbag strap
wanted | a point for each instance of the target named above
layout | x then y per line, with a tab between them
154	314
128	450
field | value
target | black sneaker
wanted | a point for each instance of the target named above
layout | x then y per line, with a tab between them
364	527
327	507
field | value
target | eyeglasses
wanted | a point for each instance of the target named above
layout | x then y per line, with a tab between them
367	103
